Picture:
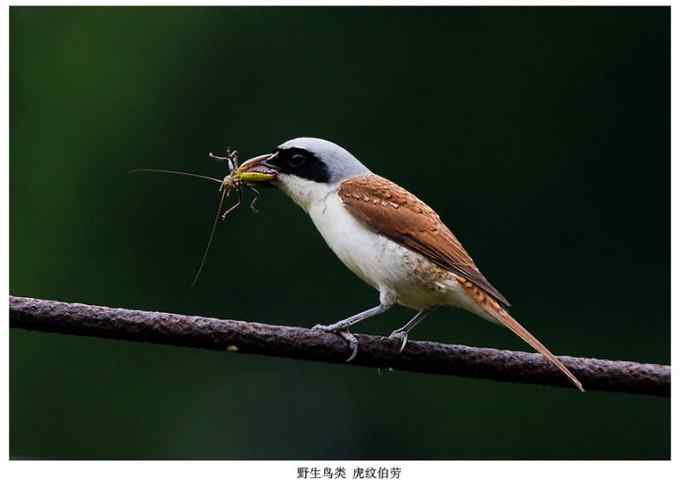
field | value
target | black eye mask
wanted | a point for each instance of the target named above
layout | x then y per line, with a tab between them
301	163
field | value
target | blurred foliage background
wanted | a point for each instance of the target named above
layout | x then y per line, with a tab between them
541	135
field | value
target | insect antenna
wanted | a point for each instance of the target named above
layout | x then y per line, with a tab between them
179	173
210	238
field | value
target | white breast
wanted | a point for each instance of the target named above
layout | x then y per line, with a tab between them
382	263
364	252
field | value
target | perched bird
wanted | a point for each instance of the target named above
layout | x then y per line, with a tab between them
385	235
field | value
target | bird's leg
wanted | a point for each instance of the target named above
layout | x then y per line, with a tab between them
354	319
404	330
342	326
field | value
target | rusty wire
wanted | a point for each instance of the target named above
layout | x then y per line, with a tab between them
306	344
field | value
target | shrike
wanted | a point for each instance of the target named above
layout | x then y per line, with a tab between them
386	236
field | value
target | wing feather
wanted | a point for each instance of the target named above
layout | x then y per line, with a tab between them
400	216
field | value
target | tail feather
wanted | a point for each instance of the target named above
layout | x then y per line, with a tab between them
524	334
497	313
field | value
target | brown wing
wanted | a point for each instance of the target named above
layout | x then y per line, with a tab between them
398	215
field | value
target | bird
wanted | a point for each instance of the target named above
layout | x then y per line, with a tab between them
385	235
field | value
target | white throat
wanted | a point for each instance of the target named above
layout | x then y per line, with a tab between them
304	192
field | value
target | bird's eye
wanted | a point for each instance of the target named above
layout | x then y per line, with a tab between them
297	160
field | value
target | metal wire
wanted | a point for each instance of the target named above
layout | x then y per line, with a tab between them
306	344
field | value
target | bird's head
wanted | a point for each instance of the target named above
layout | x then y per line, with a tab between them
306	169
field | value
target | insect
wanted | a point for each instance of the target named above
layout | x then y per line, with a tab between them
231	182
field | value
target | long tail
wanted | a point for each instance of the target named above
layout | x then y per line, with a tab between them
500	315
524	334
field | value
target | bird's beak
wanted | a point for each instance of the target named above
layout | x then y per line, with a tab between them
256	170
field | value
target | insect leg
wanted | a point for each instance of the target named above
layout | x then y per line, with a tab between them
238	203
257	196
233	156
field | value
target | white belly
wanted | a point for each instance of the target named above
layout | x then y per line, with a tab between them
384	264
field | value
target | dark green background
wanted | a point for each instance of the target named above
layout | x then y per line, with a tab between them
541	135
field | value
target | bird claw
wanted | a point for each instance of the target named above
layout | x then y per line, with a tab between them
351	340
403	336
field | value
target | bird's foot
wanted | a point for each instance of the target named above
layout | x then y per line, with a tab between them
351	340
401	335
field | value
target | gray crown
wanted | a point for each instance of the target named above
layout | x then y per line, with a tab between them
340	162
